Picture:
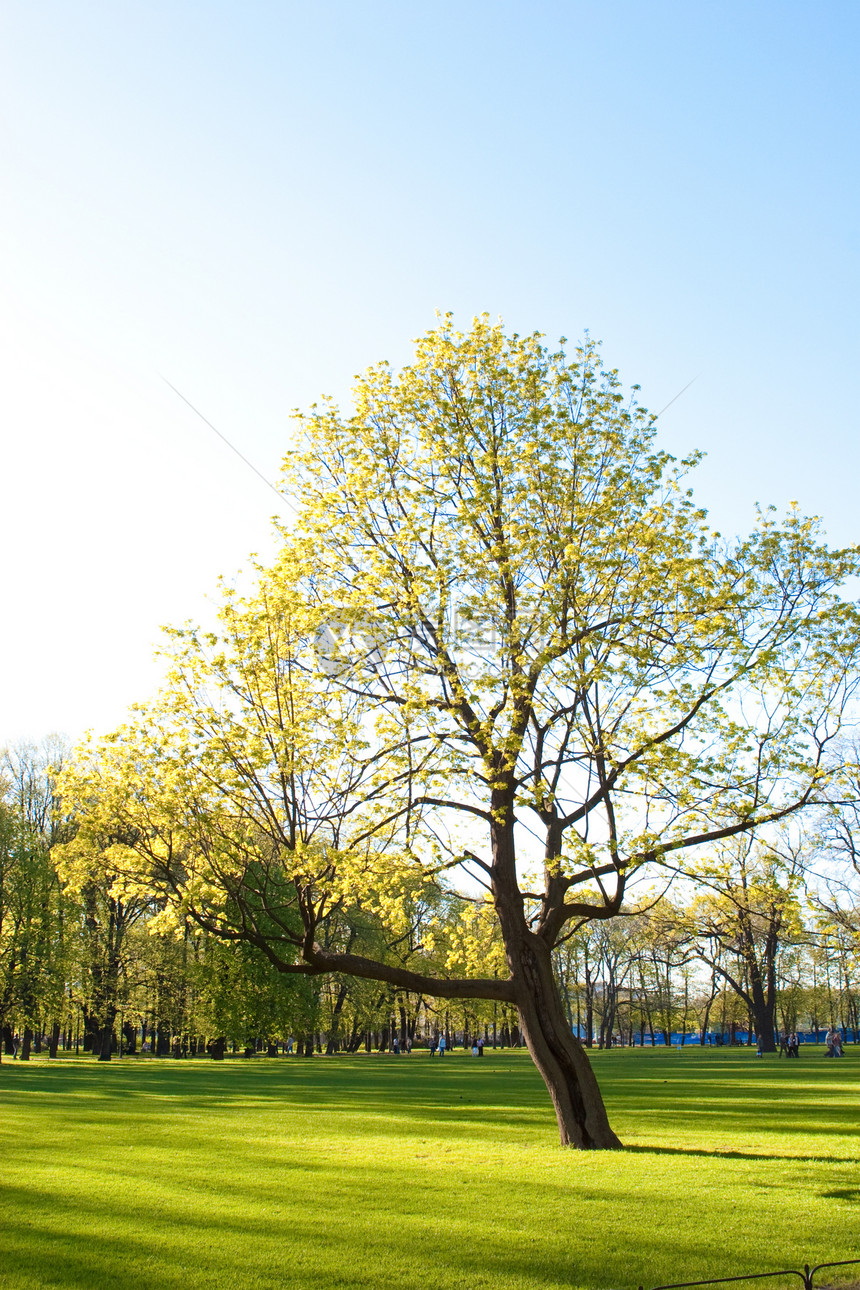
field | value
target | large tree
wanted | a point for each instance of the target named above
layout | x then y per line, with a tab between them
500	637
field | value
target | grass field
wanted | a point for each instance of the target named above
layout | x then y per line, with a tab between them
376	1171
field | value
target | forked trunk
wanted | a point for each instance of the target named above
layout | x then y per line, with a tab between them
557	1053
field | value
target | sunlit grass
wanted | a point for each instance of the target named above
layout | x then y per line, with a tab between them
405	1172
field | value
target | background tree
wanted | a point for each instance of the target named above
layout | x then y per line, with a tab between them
91	869
33	910
752	908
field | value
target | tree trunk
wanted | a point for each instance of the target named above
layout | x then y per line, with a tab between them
763	1019
25	1045
91	1031
216	1048
334	1028
55	1039
558	1054
589	1003
105	1042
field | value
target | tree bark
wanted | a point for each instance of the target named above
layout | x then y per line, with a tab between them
763	1018
334	1028
557	1053
105	1041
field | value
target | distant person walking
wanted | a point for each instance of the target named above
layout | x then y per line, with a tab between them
442	1045
433	1046
793	1045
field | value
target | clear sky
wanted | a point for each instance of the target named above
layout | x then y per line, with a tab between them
256	200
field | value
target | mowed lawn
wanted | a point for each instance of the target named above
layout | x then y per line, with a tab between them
407	1172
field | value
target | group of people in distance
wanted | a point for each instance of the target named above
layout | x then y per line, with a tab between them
833	1041
439	1045
789	1045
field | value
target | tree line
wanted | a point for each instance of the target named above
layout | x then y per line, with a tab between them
86	966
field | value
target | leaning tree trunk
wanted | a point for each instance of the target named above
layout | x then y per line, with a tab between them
557	1053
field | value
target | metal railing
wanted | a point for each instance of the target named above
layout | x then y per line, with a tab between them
806	1276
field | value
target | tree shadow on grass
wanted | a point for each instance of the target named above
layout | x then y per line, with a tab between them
720	1153
394	1237
417	1094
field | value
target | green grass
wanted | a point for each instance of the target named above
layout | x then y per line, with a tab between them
376	1171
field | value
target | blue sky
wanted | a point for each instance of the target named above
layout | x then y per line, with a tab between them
258	200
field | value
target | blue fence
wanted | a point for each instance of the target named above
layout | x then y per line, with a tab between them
716	1039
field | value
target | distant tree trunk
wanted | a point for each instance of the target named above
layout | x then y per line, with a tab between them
24	1054
646	1006
706	1016
589	1001
334	1029
91	1032
104	1042
763	1000
610	1008
55	1040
